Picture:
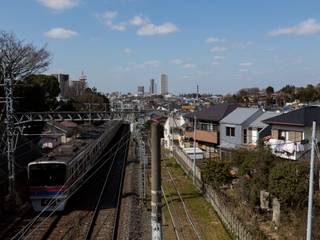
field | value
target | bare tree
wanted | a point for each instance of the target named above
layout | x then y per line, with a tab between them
19	59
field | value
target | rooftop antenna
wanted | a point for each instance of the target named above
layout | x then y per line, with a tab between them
197	93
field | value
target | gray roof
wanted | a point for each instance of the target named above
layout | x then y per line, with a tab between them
301	117
214	113
258	123
239	115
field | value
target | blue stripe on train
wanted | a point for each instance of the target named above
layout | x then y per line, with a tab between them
45	194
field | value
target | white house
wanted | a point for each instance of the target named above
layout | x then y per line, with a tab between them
173	131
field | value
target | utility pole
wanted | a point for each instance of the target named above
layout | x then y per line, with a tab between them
311	176
172	133
10	129
156	213
194	146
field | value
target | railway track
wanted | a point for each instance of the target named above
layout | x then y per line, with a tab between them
92	212
178	221
105	219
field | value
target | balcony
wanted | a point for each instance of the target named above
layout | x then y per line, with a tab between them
204	136
288	149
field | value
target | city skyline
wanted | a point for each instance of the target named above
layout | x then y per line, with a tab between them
122	44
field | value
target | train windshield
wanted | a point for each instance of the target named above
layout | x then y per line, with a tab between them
48	174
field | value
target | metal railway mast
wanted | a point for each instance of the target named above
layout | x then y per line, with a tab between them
11	135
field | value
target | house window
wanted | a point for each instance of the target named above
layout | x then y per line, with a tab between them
230	131
244	136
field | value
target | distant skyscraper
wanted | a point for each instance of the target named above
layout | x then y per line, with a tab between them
63	80
164	84
152	88
141	90
79	86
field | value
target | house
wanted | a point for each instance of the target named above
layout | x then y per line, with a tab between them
258	129
207	134
173	131
57	133
291	132
234	127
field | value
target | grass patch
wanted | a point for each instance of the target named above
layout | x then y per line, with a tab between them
202	213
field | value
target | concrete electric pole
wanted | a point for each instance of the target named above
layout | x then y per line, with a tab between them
156	213
311	176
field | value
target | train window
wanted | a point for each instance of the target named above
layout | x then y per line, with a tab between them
47	174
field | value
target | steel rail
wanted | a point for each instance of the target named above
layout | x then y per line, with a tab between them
118	207
98	204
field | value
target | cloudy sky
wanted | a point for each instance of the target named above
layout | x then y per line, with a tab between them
220	45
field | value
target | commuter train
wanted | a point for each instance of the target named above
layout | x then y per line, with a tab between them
54	177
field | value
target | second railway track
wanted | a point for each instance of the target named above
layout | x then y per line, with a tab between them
93	212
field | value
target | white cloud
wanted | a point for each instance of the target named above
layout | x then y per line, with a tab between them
108	19
116	26
215	63
127	51
246	64
147	28
243	70
188	66
214	40
109	14
218	49
60	33
139	21
151	63
177	61
150	29
59	4
307	27
217	58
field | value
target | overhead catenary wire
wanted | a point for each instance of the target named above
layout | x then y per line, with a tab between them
79	178
27	227
96	209
69	196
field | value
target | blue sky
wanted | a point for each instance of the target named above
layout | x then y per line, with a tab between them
221	45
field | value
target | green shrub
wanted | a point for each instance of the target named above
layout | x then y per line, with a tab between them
216	173
288	181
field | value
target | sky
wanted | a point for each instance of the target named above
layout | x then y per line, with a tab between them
222	46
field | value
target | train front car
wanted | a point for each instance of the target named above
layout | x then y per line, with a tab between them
47	185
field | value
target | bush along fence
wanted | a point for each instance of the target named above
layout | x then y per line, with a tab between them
236	228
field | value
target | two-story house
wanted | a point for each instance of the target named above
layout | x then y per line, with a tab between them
234	127
207	134
173	131
259	129
291	132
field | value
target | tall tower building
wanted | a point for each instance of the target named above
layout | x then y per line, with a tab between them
63	80
164	84
141	90
152	88
79	86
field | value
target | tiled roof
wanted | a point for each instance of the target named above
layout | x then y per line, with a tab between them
214	113
301	117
